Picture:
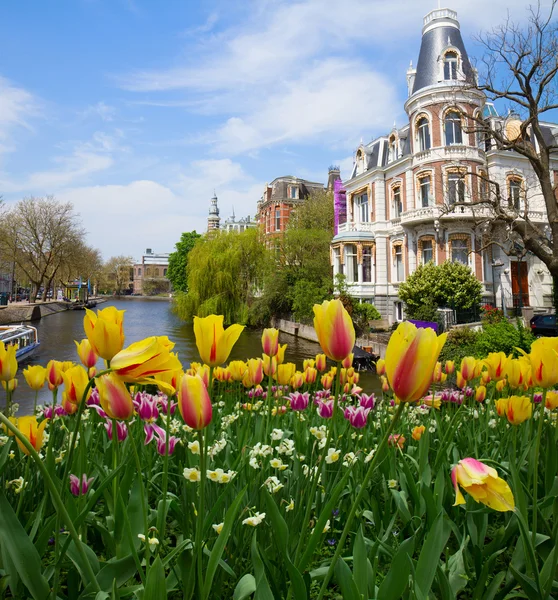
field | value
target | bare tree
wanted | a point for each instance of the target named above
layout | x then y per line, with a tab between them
118	273
520	67
39	235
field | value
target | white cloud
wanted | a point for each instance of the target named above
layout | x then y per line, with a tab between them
17	106
104	111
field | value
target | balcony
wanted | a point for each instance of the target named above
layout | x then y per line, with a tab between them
353	226
444	212
420	215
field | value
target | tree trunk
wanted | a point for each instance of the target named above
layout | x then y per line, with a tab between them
555	292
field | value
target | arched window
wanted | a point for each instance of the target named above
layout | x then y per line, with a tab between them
424	183
515	192
426	250
452	125
450	65
397	202
455	187
423	134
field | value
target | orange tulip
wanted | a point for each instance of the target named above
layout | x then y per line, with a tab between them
417	432
334	328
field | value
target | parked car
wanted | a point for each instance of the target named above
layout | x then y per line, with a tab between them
544	325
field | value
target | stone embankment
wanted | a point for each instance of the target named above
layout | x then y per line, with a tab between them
375	343
19	312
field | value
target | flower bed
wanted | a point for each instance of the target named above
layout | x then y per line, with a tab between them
255	478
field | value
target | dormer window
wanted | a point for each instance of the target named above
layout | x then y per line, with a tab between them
452	126
450	65
393	154
423	134
293	192
360	162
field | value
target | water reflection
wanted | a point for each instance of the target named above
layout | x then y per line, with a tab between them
143	318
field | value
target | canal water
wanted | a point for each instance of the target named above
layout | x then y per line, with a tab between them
143	318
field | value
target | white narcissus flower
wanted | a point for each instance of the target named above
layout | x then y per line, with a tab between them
349	459
277	463
194	447
192	475
327	527
227	476
253	462
393	484
290	506
218	527
254	520
332	456
276	434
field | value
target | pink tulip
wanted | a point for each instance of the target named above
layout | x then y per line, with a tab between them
357	416
121	430
76	488
367	401
325	408
298	400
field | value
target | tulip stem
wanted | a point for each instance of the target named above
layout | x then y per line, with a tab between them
162	520
57	501
358	500
536	468
8	410
199	525
35	401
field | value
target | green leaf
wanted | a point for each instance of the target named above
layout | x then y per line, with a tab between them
397	578
281	534
74	556
23	554
430	554
345	579
221	542
155	586
245	587
401	503
360	564
121	570
527	584
263	591
457	573
494	586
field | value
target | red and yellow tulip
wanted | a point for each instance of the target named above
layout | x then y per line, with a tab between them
519	409
411	357
75	382
194	403
270	341
32	430
284	373
544	362
483	484
105	331
468	365
86	353
114	396
213	341
334	328
321	363
54	371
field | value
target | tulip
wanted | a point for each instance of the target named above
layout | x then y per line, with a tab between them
213	341
10	386
237	369
432	401
482	483
299	401
105	331
501	406
310	375
75	382
334	328
460	381
143	360
255	369
146	407
297	380
357	416
69	407
347	362
519	409
270	341
449	367
160	436
308	363
114	397
500	385
411	356
380	367
385	384
417	432
551	401
281	353
86	353
194	403
437	374
327	381
78	488
515	372
121	430
33	431
496	363
321	363
485	378
8	362
54	374
544	362
468	365
396	439
35	376
222	374
168	381
269	365
284	373
325	408
480	393
367	401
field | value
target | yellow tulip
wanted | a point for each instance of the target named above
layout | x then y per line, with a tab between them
8	362
500	385
75	382
468	365
380	367
280	356
35	376
255	369
237	369
334	328
168	381
437	375
483	484
213	341
285	373
501	406
480	393
86	353
10	386
194	403
145	359
385	384
32	430
269	365
105	331
519	409
347	362
417	432
54	370
544	362
460	381
496	363
308	363
411	357
297	380
449	367
551	401
222	374
114	397
485	378
515	372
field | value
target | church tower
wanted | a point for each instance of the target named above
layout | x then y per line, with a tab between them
213	220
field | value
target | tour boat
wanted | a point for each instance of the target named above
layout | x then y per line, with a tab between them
24	337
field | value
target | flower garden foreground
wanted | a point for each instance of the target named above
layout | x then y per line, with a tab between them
258	480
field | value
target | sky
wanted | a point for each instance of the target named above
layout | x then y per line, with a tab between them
136	111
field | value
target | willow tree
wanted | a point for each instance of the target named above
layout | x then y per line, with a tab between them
224	273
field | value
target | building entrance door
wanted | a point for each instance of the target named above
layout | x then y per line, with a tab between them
520	284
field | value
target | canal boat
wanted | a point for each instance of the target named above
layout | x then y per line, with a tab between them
24	337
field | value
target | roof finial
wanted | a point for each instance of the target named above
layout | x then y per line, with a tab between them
233	213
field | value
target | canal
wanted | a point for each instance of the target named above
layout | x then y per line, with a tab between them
143	318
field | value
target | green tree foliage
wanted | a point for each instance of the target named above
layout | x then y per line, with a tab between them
223	273
450	284
178	261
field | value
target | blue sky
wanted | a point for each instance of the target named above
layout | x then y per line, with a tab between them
136	110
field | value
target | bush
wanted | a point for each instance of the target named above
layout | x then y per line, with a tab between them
492	315
503	337
363	313
461	342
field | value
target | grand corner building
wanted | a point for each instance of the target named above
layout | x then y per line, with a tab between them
407	200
